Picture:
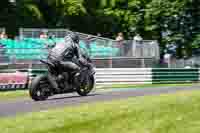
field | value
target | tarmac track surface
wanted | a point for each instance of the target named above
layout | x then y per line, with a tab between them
20	106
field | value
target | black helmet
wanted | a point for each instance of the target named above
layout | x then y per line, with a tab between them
74	37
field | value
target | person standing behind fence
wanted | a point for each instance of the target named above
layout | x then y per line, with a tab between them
43	35
139	48
3	35
120	39
138	38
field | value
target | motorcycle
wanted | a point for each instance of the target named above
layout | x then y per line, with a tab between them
41	88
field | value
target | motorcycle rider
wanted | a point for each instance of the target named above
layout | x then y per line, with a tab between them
65	54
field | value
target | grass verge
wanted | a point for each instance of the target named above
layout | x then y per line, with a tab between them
8	95
145	85
176	113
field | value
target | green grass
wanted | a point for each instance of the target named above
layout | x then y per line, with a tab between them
24	93
146	85
176	113
8	95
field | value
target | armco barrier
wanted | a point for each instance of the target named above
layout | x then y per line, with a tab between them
19	79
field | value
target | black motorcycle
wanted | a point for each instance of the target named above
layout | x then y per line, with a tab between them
40	88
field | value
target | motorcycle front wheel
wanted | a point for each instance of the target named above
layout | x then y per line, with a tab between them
86	87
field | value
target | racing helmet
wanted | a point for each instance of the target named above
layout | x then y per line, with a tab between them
75	37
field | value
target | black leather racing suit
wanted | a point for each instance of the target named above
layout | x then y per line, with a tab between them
65	54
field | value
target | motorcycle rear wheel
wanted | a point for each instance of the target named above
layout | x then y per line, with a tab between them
37	88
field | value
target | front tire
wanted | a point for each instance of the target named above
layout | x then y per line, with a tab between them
37	90
86	88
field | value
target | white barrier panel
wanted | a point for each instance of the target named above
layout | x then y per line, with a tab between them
124	76
123	83
123	69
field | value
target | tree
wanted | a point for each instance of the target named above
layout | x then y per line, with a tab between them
53	12
127	15
162	21
29	14
8	16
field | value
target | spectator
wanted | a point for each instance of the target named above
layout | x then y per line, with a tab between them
120	37
138	38
43	35
3	35
167	59
120	40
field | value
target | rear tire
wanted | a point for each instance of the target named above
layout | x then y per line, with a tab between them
36	90
85	89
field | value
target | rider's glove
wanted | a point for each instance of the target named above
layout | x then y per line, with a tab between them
83	61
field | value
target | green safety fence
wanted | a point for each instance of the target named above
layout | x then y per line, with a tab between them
174	75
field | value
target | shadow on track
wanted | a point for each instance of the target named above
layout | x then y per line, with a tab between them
69	97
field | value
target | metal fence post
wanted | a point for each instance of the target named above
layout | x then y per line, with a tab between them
143	64
133	47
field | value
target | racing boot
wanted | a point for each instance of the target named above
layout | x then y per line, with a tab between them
54	83
76	79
